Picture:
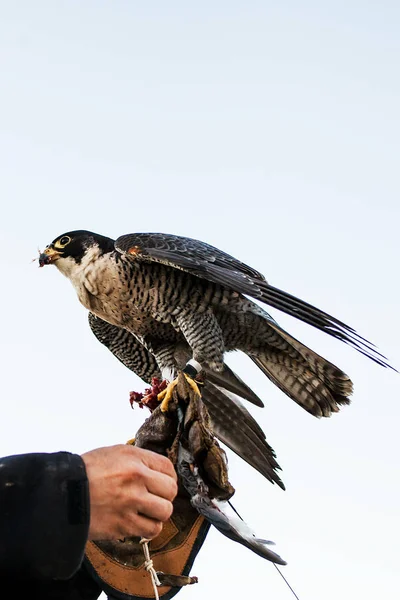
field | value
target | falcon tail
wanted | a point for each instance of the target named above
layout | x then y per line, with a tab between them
310	380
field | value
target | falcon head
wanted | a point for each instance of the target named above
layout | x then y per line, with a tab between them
70	248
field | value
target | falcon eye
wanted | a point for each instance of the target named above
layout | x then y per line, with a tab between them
62	242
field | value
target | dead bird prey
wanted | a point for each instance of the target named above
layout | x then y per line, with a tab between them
171	292
185	434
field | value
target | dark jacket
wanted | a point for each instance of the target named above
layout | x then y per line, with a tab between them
44	523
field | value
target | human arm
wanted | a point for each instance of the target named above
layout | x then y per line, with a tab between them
49	508
44	515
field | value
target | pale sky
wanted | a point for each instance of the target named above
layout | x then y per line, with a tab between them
270	130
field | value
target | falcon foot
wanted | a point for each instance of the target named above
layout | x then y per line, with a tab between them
165	396
150	396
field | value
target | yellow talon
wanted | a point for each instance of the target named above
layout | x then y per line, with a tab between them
166	395
192	384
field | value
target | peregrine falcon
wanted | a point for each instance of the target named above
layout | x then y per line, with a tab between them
163	302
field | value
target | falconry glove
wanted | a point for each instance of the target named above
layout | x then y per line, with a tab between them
120	566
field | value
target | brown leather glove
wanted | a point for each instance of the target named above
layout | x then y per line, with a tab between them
119	566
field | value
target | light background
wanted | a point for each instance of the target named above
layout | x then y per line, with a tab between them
270	130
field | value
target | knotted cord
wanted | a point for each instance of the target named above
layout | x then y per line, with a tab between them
148	563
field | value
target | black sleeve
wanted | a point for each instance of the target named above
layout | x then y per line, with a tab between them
44	515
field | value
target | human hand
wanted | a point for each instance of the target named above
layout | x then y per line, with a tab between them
131	492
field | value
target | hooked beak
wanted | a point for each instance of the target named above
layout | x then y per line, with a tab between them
48	256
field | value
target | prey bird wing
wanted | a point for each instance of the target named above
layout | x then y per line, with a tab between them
205	261
232	423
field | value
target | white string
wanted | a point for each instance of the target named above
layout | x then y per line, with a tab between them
276	566
286	581
148	564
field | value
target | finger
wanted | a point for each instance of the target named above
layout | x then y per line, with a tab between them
159	463
154	507
161	485
144	527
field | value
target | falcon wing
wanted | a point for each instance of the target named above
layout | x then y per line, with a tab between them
232	423
126	348
234	426
207	262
